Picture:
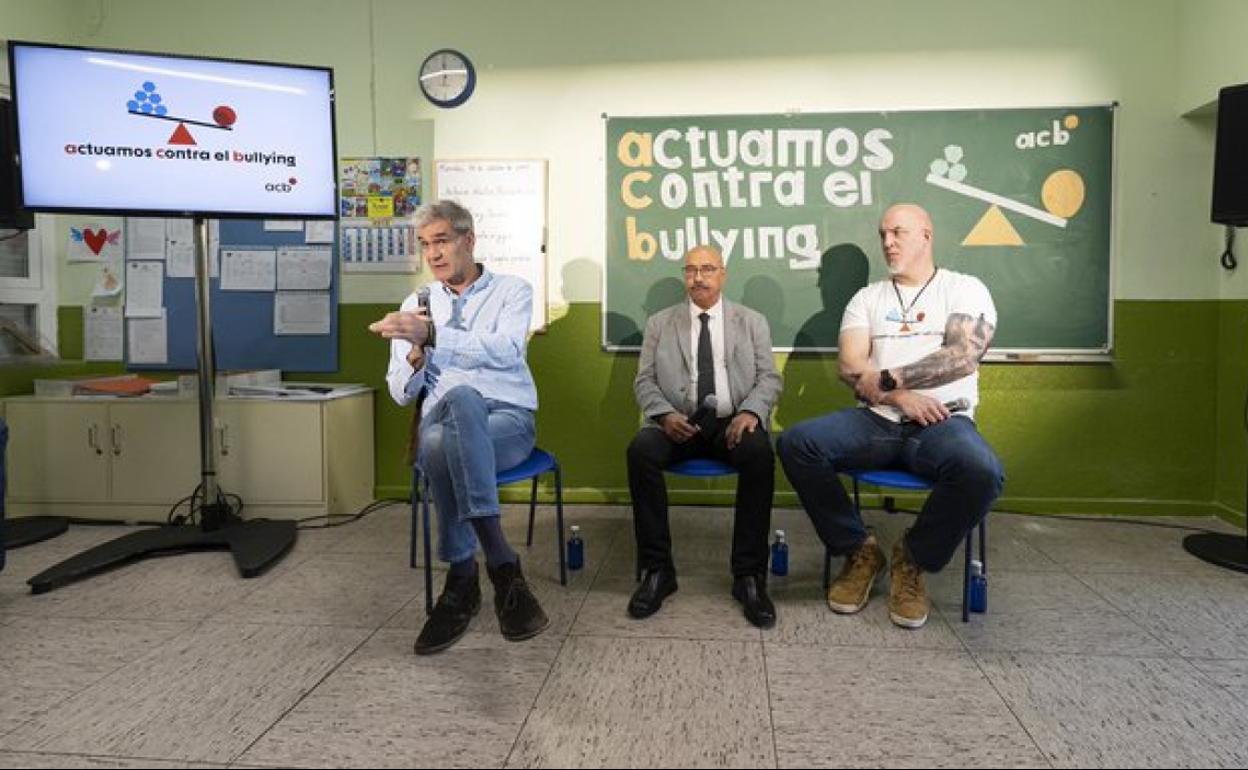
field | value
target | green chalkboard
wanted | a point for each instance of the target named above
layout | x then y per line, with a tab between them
1020	198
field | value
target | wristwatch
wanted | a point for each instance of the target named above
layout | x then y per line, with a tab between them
887	382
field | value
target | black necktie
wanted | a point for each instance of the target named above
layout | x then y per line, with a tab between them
706	360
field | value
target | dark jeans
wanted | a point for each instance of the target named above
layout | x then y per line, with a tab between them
651	451
965	473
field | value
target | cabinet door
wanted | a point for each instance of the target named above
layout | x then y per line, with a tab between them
57	452
271	452
154	448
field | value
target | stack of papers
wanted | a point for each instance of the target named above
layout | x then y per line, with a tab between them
123	385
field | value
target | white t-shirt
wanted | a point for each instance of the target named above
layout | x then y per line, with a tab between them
902	334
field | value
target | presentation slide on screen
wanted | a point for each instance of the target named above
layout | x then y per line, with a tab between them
138	132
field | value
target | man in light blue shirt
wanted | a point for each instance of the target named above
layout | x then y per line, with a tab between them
465	357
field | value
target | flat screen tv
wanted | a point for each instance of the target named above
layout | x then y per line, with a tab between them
125	132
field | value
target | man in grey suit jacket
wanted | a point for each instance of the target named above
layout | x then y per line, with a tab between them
706	383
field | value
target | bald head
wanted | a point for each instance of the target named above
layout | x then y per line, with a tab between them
702	253
909	215
906	239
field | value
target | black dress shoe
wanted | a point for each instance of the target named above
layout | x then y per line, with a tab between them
751	591
657	584
460	600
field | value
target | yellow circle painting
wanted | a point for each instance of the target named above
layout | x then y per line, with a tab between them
1062	193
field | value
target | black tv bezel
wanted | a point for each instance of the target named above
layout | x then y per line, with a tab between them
167	212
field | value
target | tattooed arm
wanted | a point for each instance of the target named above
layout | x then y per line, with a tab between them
966	341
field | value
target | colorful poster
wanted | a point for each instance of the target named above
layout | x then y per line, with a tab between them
377	198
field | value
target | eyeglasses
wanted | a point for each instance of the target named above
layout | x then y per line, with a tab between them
706	271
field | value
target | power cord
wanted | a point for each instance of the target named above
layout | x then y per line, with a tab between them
195	504
349	518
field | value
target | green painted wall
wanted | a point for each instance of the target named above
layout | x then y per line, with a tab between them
1107	438
1231	436
1131	437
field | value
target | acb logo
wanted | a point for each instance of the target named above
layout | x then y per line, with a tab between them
282	187
1056	136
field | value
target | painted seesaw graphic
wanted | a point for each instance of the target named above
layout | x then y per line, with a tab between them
1062	194
147	103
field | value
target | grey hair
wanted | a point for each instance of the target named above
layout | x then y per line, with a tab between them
459	217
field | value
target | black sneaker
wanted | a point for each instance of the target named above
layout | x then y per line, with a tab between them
460	600
519	614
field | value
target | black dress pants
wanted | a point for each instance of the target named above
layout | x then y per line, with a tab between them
651	451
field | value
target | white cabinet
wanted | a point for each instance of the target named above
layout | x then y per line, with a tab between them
291	458
132	459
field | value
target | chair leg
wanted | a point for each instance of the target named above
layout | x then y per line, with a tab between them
533	509
424	510
415	498
983	542
563	565
966	579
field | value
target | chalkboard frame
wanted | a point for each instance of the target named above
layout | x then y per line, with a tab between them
1100	352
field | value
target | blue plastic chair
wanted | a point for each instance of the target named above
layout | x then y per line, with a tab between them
700	466
537	463
896	479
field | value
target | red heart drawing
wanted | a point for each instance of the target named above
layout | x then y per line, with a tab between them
95	239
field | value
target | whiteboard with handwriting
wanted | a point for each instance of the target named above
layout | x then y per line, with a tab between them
507	199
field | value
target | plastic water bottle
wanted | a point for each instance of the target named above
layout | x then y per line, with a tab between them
576	549
780	555
979	587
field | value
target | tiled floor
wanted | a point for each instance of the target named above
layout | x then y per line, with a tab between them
1106	644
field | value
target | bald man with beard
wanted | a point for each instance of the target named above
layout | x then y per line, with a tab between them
909	345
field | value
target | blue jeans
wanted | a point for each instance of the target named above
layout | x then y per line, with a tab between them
965	473
464	441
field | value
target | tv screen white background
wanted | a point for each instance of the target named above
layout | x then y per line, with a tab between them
140	133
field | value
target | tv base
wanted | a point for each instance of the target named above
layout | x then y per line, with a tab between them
256	545
29	530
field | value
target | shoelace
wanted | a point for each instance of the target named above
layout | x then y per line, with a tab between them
857	562
516	589
909	588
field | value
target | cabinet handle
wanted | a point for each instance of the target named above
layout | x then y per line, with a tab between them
115	438
93	438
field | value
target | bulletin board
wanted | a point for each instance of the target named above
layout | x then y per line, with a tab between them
243	326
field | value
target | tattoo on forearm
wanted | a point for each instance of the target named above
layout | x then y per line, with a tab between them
966	342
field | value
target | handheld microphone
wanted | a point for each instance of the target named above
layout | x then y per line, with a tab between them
960	404
704	415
